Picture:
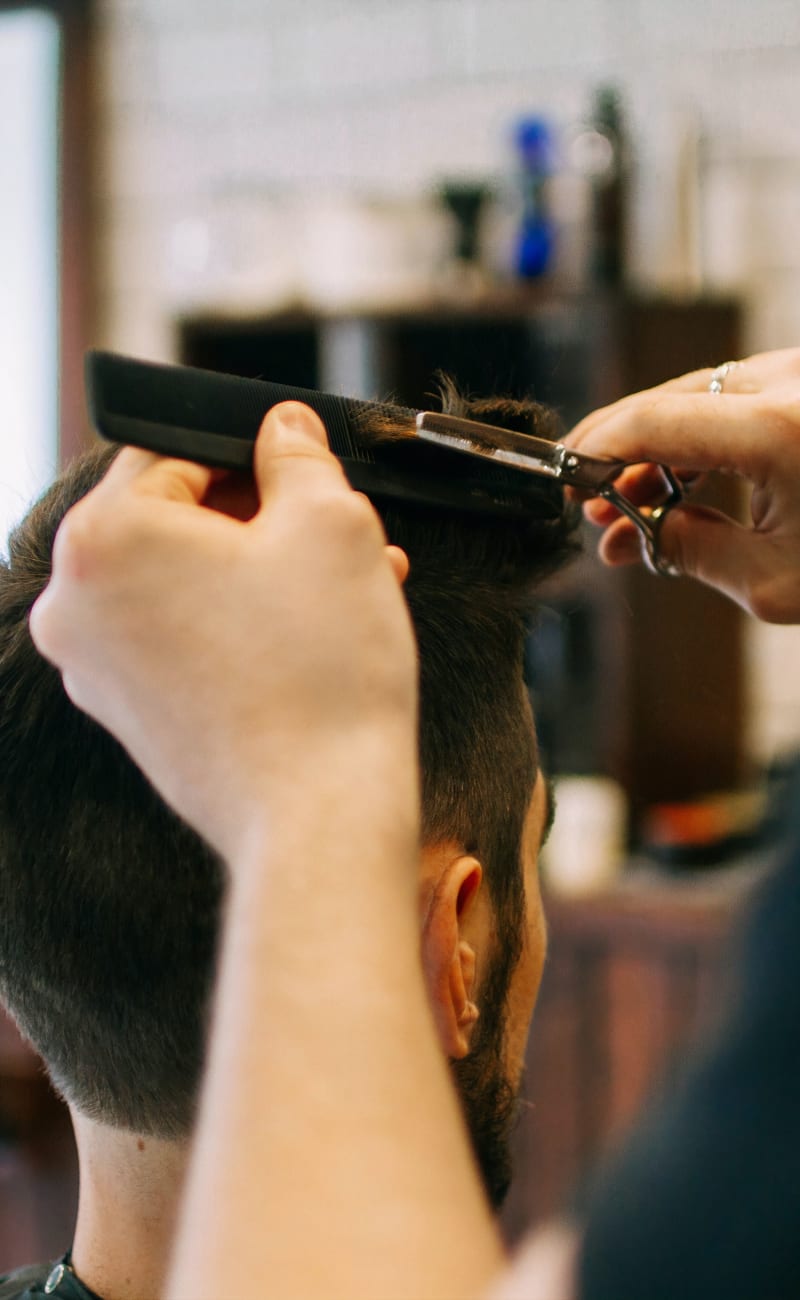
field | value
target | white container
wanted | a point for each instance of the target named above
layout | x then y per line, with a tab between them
586	849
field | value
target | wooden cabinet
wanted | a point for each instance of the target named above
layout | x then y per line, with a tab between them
576	351
631	977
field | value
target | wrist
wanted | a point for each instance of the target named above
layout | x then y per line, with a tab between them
322	893
357	797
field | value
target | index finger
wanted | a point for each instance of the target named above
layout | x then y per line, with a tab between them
691	431
175	480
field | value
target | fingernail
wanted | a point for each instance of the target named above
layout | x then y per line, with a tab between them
294	417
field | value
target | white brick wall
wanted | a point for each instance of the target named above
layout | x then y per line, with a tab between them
211	109
204	100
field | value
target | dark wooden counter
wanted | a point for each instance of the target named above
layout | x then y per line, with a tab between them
631	977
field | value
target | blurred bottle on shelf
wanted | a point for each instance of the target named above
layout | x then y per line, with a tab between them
465	202
535	239
600	151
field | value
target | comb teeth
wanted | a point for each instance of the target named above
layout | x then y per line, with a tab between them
341	415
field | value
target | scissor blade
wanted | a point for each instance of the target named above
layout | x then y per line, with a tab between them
522	451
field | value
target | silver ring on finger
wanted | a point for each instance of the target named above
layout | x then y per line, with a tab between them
720	374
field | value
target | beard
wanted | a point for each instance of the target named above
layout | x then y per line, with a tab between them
489	1104
488	1101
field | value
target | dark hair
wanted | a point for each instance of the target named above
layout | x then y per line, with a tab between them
109	904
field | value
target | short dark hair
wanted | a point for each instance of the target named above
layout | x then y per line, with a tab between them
109	904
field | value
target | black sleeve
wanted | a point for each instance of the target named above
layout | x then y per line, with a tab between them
24	1282
705	1200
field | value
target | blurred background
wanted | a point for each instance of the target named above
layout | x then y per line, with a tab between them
573	200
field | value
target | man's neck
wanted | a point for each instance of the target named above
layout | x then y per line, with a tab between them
130	1188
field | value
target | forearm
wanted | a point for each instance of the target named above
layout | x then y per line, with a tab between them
332	1158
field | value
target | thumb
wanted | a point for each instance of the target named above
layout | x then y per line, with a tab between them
292	454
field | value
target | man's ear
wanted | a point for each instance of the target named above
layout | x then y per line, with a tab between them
454	934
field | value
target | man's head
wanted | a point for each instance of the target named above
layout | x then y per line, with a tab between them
109	905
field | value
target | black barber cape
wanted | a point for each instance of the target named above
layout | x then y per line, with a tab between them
55	1279
704	1202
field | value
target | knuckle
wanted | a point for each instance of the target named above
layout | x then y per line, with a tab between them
77	538
349	517
43	627
678	558
364	511
632	425
790	358
91	536
72	689
762	604
781	420
773	601
677	549
650	407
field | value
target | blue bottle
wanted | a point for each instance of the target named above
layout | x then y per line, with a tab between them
536	238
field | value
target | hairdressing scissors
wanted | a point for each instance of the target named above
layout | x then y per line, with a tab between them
594	475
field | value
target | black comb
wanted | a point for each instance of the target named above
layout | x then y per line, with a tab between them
214	418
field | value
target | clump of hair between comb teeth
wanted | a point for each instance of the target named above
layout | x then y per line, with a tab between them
379	425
